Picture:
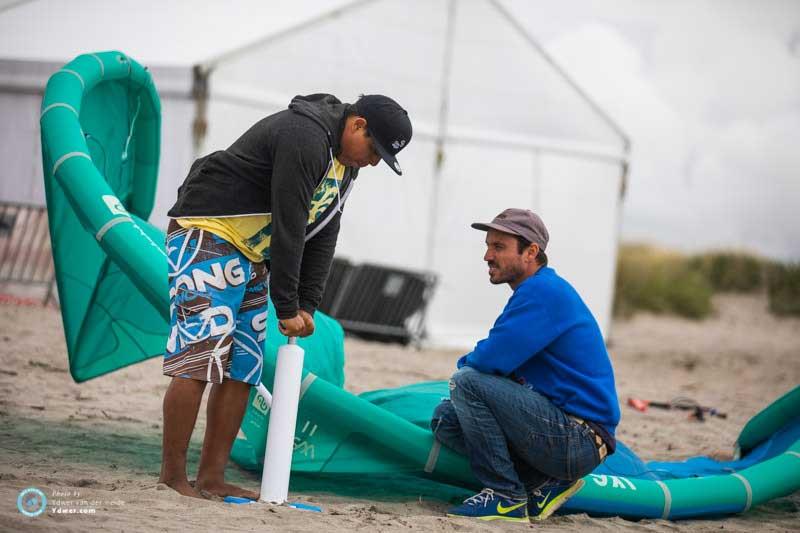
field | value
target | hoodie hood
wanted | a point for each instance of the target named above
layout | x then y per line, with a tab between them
324	109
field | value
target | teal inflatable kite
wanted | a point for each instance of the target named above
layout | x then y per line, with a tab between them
100	124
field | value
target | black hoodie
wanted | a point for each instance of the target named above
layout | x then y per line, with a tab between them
274	168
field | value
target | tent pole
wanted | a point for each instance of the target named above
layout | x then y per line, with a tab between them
536	200
441	135
11	5
203	70
297	28
514	23
200	77
626	142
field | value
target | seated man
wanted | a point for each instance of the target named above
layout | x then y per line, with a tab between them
534	405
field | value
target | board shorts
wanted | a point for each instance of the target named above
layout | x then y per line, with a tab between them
218	309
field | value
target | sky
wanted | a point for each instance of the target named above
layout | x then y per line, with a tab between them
709	92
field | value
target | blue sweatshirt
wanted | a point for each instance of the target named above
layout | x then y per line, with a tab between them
547	339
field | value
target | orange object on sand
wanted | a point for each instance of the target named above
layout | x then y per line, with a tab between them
639	404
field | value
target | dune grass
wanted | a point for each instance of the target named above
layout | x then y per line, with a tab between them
664	281
783	288
730	271
660	281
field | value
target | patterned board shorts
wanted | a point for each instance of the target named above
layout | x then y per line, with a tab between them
218	309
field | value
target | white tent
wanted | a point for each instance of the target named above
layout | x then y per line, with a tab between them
496	122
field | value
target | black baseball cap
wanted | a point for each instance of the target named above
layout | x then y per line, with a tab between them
388	125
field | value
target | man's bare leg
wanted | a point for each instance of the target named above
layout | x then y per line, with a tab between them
181	404
226	405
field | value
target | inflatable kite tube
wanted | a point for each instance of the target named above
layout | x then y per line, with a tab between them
100	124
385	432
769	469
135	142
100	129
705	496
762	426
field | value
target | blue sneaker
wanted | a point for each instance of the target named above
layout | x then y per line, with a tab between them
488	505
545	501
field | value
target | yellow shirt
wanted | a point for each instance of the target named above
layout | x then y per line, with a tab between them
252	234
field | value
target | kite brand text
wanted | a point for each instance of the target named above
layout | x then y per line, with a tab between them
617	482
304	446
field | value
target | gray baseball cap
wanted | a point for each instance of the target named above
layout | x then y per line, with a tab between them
522	222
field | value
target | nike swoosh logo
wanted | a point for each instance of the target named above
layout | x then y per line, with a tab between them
506	510
543	502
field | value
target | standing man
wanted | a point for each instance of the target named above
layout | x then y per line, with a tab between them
267	208
534	405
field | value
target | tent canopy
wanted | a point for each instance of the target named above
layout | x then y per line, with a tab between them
170	33
496	122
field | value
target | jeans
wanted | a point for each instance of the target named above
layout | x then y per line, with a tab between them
516	440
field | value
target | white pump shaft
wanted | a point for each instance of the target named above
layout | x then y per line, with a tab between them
282	422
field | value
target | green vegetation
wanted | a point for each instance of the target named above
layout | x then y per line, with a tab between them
664	281
650	279
783	288
730	271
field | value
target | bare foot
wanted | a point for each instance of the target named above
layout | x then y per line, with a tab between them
226	489
181	486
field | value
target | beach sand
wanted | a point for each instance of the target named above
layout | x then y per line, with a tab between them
98	444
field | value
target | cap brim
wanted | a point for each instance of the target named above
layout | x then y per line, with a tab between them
388	157
486	226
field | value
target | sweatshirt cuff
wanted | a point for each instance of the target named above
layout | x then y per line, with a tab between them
308	308
284	312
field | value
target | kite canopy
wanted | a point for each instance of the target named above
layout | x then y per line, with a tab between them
100	123
379	443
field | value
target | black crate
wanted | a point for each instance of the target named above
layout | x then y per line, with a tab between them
383	303
340	271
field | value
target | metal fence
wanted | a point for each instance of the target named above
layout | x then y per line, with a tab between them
26	259
377	302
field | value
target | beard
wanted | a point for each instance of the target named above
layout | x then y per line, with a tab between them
505	274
